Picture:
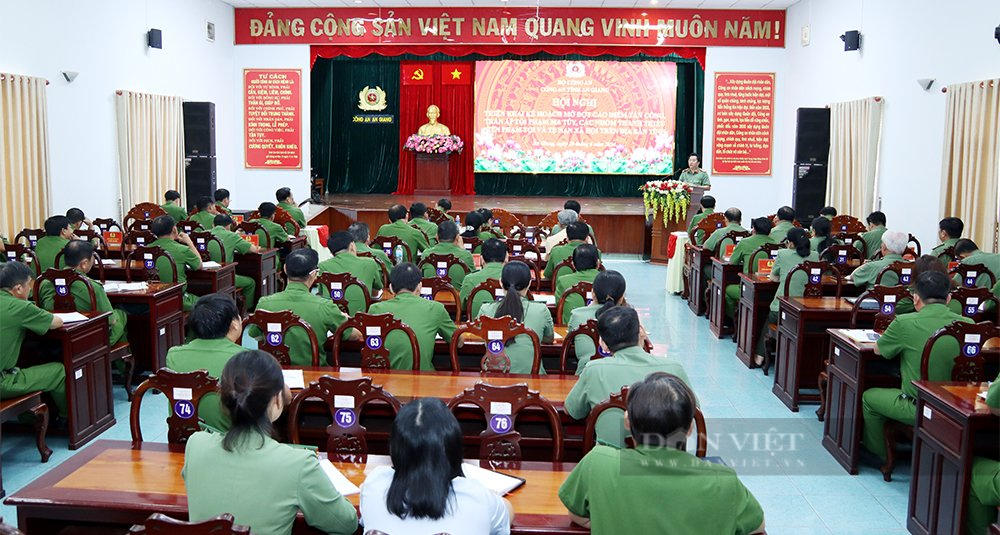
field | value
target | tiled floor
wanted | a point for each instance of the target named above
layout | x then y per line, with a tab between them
777	453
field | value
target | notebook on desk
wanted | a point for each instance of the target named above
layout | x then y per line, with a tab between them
70	317
867	304
498	482
862	335
340	482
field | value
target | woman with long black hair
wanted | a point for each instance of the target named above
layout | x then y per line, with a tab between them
515	278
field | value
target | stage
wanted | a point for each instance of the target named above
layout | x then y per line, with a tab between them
618	222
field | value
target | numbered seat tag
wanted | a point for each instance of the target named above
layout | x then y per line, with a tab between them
61	288
500	417
970	348
274	336
373	337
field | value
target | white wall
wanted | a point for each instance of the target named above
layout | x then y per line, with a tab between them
105	42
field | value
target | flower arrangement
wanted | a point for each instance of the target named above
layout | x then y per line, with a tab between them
671	197
436	144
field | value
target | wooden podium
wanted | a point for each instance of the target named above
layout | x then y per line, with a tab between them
433	175
661	233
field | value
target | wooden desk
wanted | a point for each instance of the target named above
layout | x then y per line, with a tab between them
114	485
756	294
262	267
293	243
698	258
199	281
723	274
155	322
952	427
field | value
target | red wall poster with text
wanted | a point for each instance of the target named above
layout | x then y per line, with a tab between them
744	128
272	124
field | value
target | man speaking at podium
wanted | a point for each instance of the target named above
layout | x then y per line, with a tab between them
694	174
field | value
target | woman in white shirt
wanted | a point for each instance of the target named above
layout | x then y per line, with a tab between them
425	492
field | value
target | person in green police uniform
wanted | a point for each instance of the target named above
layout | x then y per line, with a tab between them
277	233
17	317
78	255
873	236
609	290
494	257
905	338
282	479
418	219
77	219
399	228
233	243
821	238
444	205
287	202
515	278
574	205
359	231
829	212
620	330
743	255
322	314
577	234
205	216
949	232
217	328
58	232
784	220
586	260
734	218
450	244
984	488
694	174
969	254
490	227
616	490
892	246
475	222
707	209
222	201
172	205
427	319
181	249
797	251
345	259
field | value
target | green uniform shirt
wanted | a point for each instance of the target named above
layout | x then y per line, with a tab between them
430	229
285	480
212	356
990	260
223	209
873	240
321	314
205	220
427	319
716	238
939	250
456	273
18	316
993	394
491	270
277	233
698	178
46	250
785	262
603	377
780	231
699	237
175	211
866	273
568	279
402	230
183	256
905	338
295	212
538	319
231	243
560	253
81	298
376	252
625	490
583	345
365	269
742	254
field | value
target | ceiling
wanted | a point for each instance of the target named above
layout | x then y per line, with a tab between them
702	4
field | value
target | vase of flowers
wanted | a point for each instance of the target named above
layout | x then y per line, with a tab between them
668	197
437	144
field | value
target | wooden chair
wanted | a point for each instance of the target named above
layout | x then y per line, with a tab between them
903	271
566	264
375	329
138	237
973	301
588	329
496	332
97	264
853	239
471	244
707	226
139	224
30	237
63	280
948	255
505	220
275	326
30	402
106	224
141	264
17	252
202	241
530	234
388	245
618	400
441	265
437	216
499	443
913	244
345	399
846	257
521	247
847	223
431	287
492	286
336	284
91	235
384	269
583	289
969	274
550	220
160	524
733	237
143	210
969	366
285	219
251	227
768	251
427	238
184	392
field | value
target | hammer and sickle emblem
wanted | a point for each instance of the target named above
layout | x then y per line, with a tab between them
418	74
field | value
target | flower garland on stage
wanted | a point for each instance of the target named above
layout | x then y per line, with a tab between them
436	144
671	197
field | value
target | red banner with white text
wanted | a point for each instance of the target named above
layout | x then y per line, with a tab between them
272	124
744	127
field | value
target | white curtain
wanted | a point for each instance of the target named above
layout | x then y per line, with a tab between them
150	147
971	164
852	176
24	154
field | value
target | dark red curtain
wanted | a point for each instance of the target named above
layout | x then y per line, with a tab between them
457	113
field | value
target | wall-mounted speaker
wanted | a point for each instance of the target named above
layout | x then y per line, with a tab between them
154	38
852	40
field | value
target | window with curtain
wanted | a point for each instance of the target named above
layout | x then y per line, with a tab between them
150	146
24	154
852	177
970	168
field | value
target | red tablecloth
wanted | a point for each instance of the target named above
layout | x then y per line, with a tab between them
323	232
671	245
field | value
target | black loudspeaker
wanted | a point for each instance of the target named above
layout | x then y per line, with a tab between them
812	135
154	38
808	191
852	40
199	177
199	129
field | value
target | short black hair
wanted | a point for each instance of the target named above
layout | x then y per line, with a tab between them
876	218
572	205
14	273
444	204
77	251
75	215
162	226
577	230
203	203
695	155
619	327
952	226
221	194
708	201
211	316
660	409
761	226
55	225
828	210
223	220
474	219
301	262
447	231
282	194
585	257
418	209
172	195
359	231
786	213
734	215
933	286
339	241
494	250
397	212
405	276
267	209
964	246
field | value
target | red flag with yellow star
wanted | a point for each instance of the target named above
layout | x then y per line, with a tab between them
417	74
456	73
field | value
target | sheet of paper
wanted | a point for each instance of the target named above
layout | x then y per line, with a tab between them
108	261
341	483
495	481
210	265
294	378
70	317
119	286
548	299
862	335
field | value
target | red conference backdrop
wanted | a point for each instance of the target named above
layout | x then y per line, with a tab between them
272	118
744	128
